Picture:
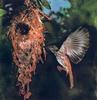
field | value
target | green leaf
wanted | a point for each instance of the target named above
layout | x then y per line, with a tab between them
2	12
45	3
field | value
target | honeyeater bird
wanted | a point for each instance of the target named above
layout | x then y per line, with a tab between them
73	50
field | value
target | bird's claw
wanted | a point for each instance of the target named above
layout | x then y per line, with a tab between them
62	69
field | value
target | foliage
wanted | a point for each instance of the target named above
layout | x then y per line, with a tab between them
85	10
2	12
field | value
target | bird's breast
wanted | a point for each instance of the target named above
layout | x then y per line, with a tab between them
61	60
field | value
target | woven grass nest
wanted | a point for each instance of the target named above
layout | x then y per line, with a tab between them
26	34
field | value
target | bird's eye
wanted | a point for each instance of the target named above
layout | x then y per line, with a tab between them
22	28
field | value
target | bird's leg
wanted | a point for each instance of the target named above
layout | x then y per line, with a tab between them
60	68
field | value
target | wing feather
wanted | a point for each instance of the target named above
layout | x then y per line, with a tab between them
76	45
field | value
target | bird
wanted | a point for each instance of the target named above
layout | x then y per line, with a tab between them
73	50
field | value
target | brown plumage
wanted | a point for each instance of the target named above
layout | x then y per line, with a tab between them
73	49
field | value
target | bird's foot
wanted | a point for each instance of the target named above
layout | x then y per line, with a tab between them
62	69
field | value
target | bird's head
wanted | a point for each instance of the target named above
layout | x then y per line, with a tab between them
53	49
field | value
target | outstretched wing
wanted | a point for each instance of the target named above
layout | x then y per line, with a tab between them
76	45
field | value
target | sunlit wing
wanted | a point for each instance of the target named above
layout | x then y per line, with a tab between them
76	45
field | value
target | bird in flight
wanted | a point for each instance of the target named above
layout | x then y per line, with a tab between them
73	50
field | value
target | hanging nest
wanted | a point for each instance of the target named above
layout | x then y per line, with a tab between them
26	34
